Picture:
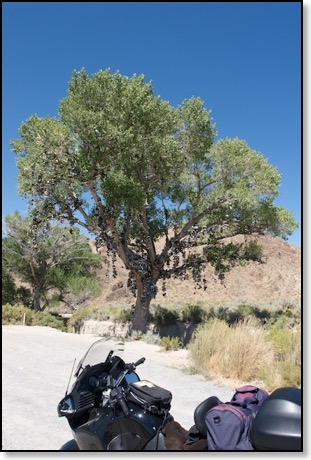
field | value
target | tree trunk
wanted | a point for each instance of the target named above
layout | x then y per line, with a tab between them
145	289
36	304
39	285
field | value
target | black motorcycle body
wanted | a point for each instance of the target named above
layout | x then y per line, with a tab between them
110	408
108	430
277	425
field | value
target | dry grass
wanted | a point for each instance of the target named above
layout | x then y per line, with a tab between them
286	369
247	352
236	352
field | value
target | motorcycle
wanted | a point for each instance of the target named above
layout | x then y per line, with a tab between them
110	408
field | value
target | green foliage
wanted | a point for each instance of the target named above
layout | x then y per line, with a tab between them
12	294
77	319
287	351
253	251
135	335
286	316
221	256
78	285
18	313
119	189
47	257
120	314
9	291
151	338
268	316
170	343
165	317
193	313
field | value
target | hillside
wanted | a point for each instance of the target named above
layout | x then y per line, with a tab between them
277	278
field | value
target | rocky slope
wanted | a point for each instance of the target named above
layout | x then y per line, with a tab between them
276	278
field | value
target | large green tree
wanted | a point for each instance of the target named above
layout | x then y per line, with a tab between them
46	257
130	168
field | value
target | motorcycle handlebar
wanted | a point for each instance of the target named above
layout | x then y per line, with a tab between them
140	361
132	366
124	407
117	395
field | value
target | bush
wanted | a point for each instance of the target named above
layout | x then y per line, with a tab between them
151	338
17	314
286	369
253	251
14	295
193	313
286	344
164	317
172	343
121	314
77	319
135	335
285	317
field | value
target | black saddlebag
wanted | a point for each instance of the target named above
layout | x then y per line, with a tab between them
148	395
277	425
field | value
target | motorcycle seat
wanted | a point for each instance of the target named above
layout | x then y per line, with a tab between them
201	411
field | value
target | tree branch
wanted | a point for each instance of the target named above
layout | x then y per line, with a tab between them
150	243
186	229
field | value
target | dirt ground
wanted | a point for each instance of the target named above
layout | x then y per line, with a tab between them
36	365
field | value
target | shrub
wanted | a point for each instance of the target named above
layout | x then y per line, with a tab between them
221	313
170	343
253	251
14	315
47	319
151	338
284	319
9	294
286	369
193	313
120	314
164	317
263	315
17	314
203	344
135	335
286	344
233	316
245	310
77	319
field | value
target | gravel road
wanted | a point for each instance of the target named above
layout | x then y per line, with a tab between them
36	364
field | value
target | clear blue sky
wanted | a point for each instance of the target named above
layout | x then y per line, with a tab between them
242	59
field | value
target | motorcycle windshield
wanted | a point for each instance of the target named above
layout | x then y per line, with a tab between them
100	351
